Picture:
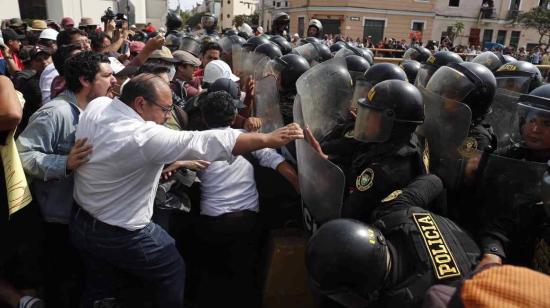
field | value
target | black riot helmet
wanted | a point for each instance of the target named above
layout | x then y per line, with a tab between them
191	45
230	32
469	83
533	112
348	261
350	50
518	76
309	39
384	71
392	109
357	66
491	60
283	44
173	21
269	49
411	68
324	52
334	48
244	35
173	41
288	69
435	61
417	53
209	22
254	42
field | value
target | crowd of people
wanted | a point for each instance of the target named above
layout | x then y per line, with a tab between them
146	167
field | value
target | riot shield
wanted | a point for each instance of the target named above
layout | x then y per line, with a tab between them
446	127
361	89
260	68
505	183
236	56
321	182
516	84
326	92
503	117
266	99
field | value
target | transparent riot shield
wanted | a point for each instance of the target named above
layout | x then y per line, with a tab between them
505	183
446	126
503	117
266	99
321	182
326	92
236	55
360	90
260	69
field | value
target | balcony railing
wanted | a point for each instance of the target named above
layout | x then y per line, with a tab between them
513	15
487	13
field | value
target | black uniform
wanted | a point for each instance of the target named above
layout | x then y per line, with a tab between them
515	220
426	249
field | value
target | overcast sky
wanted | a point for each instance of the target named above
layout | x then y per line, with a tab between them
188	4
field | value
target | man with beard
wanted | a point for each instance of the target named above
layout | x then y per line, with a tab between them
50	155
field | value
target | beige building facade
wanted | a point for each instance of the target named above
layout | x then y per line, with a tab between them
484	20
232	8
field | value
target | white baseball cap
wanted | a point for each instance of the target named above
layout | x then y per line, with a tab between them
218	69
48	34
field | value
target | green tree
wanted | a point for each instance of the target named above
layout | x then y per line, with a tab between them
184	15
537	18
456	31
194	20
251	20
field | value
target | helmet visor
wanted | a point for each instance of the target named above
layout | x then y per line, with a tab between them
343	52
515	84
208	21
450	84
362	88
410	54
424	75
373	125
534	127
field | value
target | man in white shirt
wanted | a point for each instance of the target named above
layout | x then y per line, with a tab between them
114	192
229	226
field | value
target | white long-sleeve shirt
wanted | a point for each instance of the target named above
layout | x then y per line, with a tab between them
45	82
118	184
227	188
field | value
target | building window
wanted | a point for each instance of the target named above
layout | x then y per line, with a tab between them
273	3
33	9
375	29
487	35
286	3
454	3
228	1
501	36
417	26
514	38
301	26
278	4
228	16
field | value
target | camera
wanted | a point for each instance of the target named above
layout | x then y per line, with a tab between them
120	19
109	15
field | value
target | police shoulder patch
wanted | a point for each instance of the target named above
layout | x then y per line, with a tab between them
468	147
392	196
441	256
365	180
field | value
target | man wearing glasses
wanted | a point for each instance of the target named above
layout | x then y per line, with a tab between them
114	191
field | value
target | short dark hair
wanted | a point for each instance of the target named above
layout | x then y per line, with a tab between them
62	54
218	109
210	45
84	64
64	37
143	85
96	40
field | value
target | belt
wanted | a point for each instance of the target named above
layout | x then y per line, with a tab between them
80	214
238	214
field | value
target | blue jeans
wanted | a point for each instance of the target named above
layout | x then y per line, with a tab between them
112	255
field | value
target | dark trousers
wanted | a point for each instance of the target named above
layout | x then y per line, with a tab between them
229	255
112	255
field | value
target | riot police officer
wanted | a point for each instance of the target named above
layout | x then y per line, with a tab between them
388	155
269	49
254	42
411	68
357	66
209	23
315	29
435	61
394	259
279	25
515	220
518	76
492	60
417	53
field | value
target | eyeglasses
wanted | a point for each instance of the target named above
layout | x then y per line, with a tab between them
164	108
